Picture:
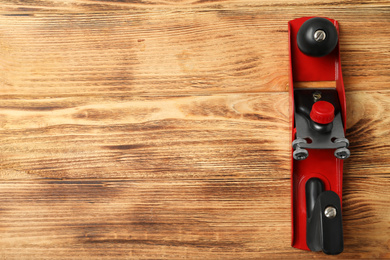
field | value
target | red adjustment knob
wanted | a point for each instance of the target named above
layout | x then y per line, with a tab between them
322	112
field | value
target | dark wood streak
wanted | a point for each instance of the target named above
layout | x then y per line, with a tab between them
125	147
32	108
171	243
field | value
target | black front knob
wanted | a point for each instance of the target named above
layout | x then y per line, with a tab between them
317	37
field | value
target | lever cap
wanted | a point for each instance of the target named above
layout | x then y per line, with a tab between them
322	112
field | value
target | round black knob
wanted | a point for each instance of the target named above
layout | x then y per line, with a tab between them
317	37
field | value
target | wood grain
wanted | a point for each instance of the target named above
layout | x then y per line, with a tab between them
185	52
178	137
184	137
337	6
225	218
315	84
159	129
368	129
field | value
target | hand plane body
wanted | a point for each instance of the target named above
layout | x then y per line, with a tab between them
318	126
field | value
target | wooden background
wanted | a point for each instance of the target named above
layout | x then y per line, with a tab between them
135	129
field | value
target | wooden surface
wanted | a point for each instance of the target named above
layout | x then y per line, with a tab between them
159	129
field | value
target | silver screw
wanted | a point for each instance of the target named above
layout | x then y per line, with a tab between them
297	142
300	154
341	140
317	96
330	212
319	35
342	153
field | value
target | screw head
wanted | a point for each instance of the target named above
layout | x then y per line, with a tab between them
342	153
300	154
297	142
330	212
319	35
317	96
341	140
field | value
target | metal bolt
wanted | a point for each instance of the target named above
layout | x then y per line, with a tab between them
319	35
317	96
342	153
342	140
300	154
297	142
330	212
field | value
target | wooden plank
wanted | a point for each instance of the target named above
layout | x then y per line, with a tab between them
183	137
159	129
226	218
368	131
22	6
315	84
183	51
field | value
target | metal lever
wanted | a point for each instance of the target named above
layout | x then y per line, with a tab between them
324	222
